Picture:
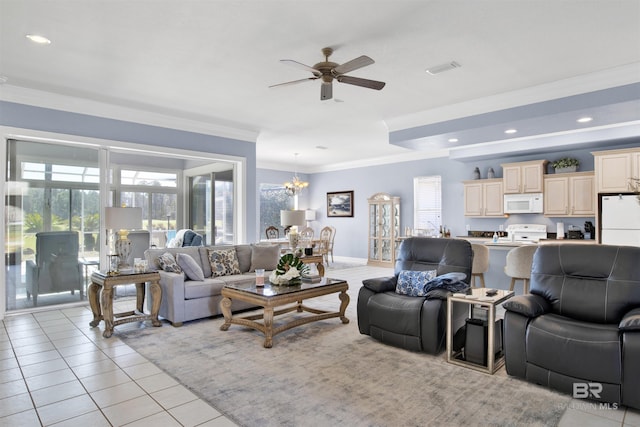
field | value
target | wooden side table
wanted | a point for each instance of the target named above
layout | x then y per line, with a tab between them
314	259
103	308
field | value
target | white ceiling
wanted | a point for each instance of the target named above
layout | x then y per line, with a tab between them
206	66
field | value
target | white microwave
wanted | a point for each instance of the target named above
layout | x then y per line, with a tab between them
523	203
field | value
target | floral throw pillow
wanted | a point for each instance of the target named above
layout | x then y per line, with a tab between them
413	283
168	263
224	262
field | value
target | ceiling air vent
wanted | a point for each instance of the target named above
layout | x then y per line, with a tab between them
443	67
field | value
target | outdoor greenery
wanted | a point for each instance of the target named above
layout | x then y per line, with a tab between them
273	199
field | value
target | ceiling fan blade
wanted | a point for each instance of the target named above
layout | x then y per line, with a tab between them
294	82
326	91
301	65
354	64
371	84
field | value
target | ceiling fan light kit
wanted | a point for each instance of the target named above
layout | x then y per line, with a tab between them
328	71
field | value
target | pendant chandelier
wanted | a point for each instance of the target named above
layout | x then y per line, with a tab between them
295	186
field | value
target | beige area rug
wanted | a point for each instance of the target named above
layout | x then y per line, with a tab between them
327	374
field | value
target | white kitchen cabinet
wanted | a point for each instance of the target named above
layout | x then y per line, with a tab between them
524	177
615	168
483	198
570	194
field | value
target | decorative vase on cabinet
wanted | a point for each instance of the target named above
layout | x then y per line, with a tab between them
384	228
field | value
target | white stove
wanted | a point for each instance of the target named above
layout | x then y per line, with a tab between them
530	233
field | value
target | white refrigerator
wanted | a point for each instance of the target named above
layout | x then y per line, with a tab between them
620	220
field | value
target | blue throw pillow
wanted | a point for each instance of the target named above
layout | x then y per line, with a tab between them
413	283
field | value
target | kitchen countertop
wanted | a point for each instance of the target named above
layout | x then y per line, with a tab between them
509	244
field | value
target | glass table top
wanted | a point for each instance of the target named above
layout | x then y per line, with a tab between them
271	290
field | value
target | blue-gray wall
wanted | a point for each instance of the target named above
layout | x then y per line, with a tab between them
351	238
397	180
49	120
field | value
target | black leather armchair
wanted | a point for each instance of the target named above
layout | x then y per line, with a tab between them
580	323
415	323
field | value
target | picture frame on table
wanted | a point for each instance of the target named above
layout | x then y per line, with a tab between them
340	204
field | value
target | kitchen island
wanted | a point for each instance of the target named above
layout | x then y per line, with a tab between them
495	277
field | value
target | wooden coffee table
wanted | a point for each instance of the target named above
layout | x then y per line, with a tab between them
270	296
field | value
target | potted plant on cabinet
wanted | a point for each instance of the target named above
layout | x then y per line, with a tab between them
566	164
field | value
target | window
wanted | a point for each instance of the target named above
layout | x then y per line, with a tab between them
156	193
273	199
427	199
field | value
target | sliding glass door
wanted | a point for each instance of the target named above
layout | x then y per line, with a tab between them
54	195
53	201
211	207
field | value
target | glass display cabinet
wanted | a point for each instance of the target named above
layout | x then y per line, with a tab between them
384	228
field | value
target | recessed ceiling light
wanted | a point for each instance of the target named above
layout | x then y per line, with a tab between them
584	119
510	131
453	139
38	39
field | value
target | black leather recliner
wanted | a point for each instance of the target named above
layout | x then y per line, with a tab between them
580	324
415	323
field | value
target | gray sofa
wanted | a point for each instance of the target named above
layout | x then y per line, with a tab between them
185	299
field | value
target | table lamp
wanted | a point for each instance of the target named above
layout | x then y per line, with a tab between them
293	219
123	219
309	216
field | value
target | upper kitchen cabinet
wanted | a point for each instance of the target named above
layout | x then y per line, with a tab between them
524	177
615	168
569	194
483	198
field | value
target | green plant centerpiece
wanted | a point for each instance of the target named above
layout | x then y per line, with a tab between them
566	164
289	271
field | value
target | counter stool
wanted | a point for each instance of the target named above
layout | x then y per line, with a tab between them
480	263
518	266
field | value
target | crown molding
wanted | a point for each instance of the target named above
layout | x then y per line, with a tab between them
613	77
376	161
566	140
203	125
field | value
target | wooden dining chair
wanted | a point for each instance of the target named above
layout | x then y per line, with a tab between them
333	237
325	242
272	232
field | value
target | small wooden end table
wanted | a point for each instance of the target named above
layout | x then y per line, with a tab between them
103	308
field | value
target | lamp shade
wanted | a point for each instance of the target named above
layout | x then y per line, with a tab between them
310	215
123	218
288	218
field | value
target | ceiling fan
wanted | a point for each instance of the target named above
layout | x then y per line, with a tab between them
328	71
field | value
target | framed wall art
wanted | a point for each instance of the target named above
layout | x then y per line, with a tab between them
340	203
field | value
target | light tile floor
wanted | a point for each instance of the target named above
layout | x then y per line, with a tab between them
56	370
